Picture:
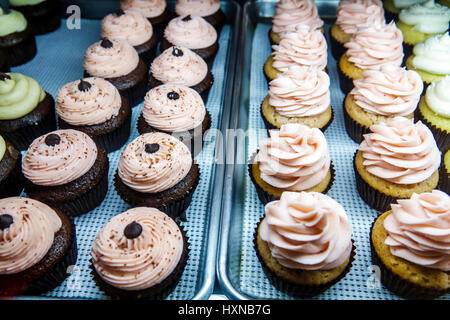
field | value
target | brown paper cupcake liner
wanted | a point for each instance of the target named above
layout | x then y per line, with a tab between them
217	20
12	185
442	138
355	130
293	289
147	50
345	82
444	176
115	139
160	22
21	52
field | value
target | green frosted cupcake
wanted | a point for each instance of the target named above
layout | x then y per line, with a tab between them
43	15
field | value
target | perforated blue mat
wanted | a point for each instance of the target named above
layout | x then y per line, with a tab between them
60	60
360	282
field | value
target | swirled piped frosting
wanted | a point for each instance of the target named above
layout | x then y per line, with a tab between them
192	32
406	3
55	164
152	172
173	108
95	105
428	17
433	54
187	69
19	95
149	8
131	26
375	46
304	47
289	13
419	230
438	96
111	62
400	151
11	22
294	158
353	14
29	235
307	230
142	261
391	91
200	8
300	92
2	147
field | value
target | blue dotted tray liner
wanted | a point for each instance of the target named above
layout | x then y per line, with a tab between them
59	61
360	282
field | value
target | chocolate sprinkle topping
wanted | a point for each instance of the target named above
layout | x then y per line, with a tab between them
52	139
84	85
106	43
120	12
4	76
187	18
177	52
151	147
173	95
5	221
132	230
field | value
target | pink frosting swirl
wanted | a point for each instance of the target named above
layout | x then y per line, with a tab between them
201	8
307	230
300	92
154	172
187	69
141	262
192	32
55	165
304	47
98	104
295	158
149	8
289	13
131	26
391	91
173	115
30	235
113	62
375	46
400	151
352	14
419	230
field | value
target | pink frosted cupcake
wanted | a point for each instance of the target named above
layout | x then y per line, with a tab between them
207	9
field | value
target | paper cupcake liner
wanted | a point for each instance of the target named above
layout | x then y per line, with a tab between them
157	292
12	185
444	176
135	95
399	286
294	289
442	138
148	55
345	82
115	139
337	48
22	52
43	17
355	130
160	22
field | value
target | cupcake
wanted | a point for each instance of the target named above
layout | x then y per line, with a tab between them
181	66
351	15
4	65
303	47
207	9
95	107
66	170
304	243
43	15
370	48
444	173
11	178
421	21
289	13
411	245
395	160
134	28
178	111
299	95
26	110
434	111
139	254
157	170
431	58
294	158
380	96
393	7
444	3
38	245
119	63
16	37
192	32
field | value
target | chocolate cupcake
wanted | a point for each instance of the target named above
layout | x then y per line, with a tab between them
139	254
16	37
133	27
11	178
157	170
43	15
180	65
176	110
192	32
38	245
26	110
207	9
119	63
4	65
95	107
66	170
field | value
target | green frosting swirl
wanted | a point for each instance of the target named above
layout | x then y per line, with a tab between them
11	22
2	147
19	96
19	3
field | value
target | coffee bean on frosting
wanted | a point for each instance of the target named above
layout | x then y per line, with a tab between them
84	85
187	18
106	43
173	95
120	12
177	52
5	221
132	230
4	76
151	147
52	139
